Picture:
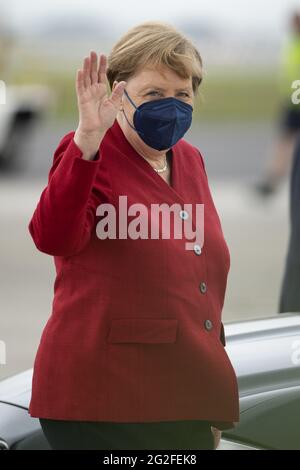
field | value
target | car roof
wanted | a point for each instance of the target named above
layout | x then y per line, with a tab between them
17	389
263	326
265	353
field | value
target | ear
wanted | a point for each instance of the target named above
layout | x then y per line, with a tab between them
114	85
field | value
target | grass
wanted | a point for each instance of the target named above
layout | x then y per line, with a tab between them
238	96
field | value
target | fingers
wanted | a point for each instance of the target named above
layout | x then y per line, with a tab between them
117	94
102	68
79	82
93	67
91	73
86	72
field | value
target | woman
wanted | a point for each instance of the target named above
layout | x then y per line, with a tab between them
132	356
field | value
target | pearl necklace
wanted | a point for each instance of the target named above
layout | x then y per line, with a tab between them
158	170
161	170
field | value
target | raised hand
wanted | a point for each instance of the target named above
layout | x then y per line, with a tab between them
97	110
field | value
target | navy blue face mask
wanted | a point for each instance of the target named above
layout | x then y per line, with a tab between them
161	123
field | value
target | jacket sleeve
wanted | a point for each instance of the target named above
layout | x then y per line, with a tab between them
65	214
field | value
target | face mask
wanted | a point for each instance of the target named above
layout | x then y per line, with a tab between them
161	123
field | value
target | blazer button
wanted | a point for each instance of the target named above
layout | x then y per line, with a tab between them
202	287
208	325
183	215
197	249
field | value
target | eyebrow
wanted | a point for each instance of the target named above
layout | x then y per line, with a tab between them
163	89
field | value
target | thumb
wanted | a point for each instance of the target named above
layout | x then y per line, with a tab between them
117	94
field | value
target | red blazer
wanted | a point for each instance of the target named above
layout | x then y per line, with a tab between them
135	332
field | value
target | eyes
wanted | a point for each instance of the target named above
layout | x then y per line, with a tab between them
157	93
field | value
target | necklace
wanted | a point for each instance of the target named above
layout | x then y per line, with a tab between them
161	170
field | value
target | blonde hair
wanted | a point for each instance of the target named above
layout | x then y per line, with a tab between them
154	43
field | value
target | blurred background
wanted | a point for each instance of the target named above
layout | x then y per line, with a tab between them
235	127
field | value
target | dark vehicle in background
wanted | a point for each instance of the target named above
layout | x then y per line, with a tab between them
266	356
20	105
23	107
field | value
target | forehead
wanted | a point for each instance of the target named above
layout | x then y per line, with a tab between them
161	76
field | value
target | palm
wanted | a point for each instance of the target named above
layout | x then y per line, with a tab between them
97	111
